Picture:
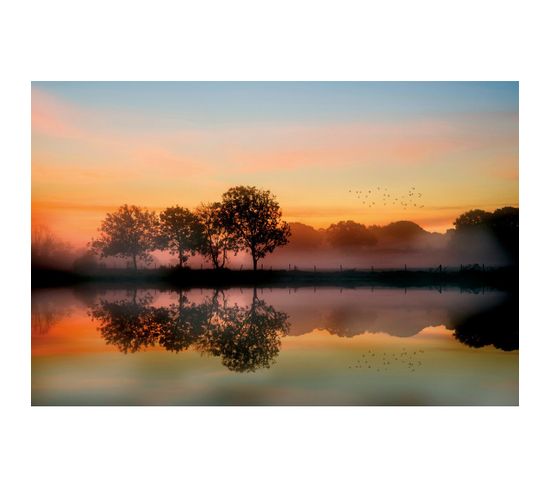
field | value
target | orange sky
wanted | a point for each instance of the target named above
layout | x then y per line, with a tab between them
96	146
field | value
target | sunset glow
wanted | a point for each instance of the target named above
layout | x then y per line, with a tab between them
96	146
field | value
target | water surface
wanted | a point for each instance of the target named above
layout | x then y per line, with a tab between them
307	346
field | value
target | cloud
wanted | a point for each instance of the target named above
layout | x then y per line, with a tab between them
52	118
399	144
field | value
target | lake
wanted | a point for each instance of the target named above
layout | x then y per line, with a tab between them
280	346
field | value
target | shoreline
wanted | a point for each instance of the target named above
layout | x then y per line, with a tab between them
495	278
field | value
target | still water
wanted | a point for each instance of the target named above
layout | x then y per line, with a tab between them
306	346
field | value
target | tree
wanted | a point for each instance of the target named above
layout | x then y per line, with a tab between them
497	325
47	251
180	232
350	234
216	241
253	217
131	325
502	225
130	232
246	338
472	218
304	237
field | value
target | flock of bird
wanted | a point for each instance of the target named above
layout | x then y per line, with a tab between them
369	360
381	195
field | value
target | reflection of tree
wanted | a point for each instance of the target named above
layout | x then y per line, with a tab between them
349	322
186	325
44	315
246	338
131	325
497	326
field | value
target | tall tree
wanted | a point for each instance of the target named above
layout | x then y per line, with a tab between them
130	232
180	232
216	241
253	217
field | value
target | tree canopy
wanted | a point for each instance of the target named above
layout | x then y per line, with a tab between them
216	241
350	234
502	225
253	217
129	232
180	232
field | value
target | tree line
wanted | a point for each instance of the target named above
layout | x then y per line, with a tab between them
246	219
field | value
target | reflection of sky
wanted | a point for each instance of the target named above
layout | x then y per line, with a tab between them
96	146
72	364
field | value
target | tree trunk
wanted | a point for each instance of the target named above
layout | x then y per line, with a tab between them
135	261
181	260
255	262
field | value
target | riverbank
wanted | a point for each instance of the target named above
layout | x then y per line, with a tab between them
497	278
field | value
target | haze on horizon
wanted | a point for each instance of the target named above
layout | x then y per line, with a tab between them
97	145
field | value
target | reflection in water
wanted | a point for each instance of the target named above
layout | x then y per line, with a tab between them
185	326
246	338
496	326
345	322
332	347
46	312
131	325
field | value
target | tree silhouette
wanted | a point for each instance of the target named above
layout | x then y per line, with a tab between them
246	338
131	325
304	237
45	313
180	232
497	326
130	232
46	249
186	325
216	241
470	219
502	225
350	234
253	217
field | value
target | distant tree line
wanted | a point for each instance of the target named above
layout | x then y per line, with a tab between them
470	229
247	219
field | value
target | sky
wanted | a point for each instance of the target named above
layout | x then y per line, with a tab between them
99	145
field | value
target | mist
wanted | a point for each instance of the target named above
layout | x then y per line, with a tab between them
346	245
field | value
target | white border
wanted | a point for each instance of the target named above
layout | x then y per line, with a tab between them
425	40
